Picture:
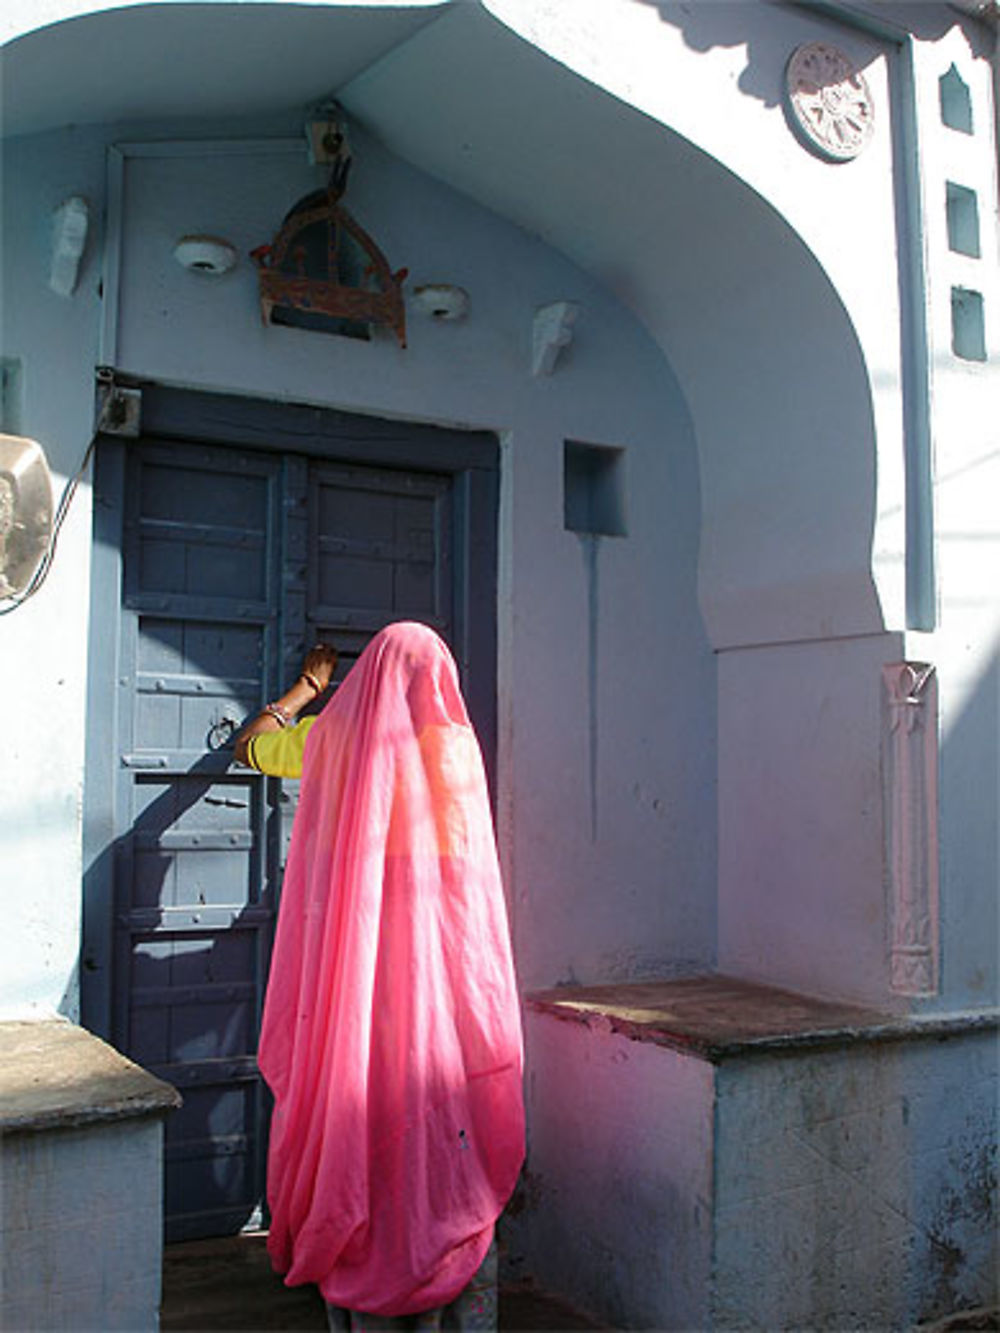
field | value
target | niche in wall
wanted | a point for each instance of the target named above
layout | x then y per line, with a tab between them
593	489
956	102
968	327
963	220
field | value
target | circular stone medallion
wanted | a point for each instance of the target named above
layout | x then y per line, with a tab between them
829	101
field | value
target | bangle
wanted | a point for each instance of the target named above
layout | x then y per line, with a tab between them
310	679
281	715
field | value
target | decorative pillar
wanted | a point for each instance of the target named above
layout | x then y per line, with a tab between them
909	777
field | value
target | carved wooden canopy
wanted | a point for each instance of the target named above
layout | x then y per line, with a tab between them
323	263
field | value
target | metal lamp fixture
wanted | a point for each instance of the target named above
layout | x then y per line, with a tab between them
25	512
323	270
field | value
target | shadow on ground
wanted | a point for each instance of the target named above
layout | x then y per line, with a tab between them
227	1284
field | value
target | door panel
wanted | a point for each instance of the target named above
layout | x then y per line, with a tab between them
233	562
194	885
380	550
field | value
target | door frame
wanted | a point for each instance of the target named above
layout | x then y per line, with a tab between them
470	457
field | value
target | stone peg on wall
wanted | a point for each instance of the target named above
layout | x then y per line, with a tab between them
70	224
909	776
551	332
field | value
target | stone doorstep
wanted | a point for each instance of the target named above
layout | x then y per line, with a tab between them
715	1017
55	1075
228	1283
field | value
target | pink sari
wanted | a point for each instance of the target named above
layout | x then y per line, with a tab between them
391	1034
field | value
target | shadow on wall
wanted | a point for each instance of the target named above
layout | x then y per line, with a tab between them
180	911
706	26
185	1002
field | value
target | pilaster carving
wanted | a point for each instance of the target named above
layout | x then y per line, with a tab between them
909	776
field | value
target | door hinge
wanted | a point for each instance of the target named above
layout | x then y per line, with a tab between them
119	409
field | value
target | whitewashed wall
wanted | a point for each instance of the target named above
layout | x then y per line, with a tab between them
652	148
43	661
965	420
633	893
853	1188
760	401
616	1207
797	396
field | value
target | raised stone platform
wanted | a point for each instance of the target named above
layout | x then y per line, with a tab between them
715	1154
81	1160
718	1017
55	1075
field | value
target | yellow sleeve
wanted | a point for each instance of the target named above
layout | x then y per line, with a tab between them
279	753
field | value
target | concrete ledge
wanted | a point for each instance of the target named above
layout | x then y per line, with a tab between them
55	1075
717	1018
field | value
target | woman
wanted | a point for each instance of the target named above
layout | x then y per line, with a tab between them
391	1032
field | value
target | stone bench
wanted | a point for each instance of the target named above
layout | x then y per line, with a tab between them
81	1166
708	1153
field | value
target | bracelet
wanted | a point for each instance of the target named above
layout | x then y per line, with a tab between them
281	715
310	679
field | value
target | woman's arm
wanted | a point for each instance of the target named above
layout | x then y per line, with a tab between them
314	678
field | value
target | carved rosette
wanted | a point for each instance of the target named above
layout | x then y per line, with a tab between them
909	774
829	101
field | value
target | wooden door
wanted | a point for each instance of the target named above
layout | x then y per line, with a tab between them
218	566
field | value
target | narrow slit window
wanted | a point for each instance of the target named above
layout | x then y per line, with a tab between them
963	220
968	326
593	489
956	102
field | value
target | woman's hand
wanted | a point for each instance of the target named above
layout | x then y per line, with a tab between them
314	678
319	666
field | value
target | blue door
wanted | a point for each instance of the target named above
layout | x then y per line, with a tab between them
223	564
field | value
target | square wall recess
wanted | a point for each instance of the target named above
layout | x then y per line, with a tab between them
594	489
